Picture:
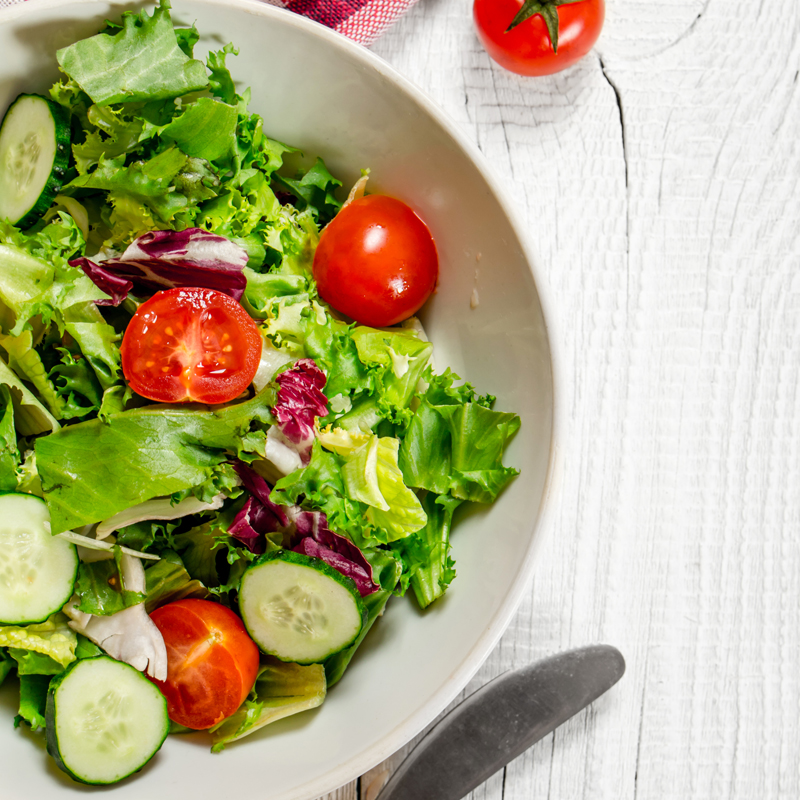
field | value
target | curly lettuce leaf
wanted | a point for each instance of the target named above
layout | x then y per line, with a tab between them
454	444
428	568
372	476
141	62
314	190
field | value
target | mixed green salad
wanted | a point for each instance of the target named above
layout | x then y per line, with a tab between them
263	502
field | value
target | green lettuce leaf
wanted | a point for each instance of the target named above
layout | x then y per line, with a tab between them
149	182
27	364
426	555
206	129
386	570
7	664
32	700
101	589
167	580
53	638
86	648
77	386
220	82
372	476
116	134
198	549
30	416
319	486
314	190
9	451
29	662
143	61
454	444
400	358
280	690
141	454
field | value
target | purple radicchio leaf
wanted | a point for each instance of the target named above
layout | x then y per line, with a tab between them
300	400
172	259
114	286
259	488
252	523
338	551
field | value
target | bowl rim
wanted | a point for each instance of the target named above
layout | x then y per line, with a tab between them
361	762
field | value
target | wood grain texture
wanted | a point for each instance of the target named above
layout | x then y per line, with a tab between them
659	181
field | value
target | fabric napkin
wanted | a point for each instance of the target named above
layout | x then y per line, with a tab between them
363	21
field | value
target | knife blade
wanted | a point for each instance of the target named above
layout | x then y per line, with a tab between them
501	721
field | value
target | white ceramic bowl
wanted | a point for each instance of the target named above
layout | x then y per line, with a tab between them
319	91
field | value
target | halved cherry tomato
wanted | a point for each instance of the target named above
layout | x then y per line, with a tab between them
211	661
376	261
527	49
190	344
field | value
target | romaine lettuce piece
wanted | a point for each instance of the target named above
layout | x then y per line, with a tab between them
53	638
29	662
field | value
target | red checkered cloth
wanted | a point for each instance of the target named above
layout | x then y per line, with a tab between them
363	21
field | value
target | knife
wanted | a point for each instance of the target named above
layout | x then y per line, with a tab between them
501	721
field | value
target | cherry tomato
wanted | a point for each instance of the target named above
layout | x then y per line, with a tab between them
211	661
190	344
527	49
376	261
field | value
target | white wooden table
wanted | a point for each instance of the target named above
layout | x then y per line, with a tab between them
659	178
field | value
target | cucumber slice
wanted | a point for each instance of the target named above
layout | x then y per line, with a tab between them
105	720
299	608
34	154
37	570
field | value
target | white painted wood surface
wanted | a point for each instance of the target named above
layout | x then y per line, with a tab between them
659	180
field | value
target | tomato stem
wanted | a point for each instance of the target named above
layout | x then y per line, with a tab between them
547	10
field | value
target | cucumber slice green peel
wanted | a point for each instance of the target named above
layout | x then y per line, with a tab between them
298	608
37	570
105	720
34	156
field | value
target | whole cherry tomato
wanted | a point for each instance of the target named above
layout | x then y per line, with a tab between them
534	47
376	261
211	661
190	344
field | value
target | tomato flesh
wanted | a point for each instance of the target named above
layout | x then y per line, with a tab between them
526	49
376	261
211	662
190	344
